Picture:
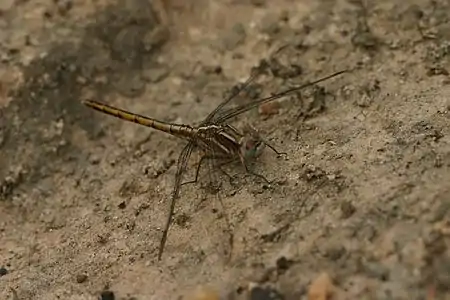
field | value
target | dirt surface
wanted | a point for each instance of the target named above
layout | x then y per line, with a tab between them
359	208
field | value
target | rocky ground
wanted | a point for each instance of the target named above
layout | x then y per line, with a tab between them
358	209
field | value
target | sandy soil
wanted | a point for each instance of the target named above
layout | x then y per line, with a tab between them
359	208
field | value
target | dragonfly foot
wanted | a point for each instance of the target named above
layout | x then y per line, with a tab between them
232	182
259	176
282	154
278	153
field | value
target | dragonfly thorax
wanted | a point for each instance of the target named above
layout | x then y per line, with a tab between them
222	141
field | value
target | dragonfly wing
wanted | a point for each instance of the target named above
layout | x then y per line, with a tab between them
235	111
183	160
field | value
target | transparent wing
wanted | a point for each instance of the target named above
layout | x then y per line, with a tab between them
225	115
256	72
248	95
183	160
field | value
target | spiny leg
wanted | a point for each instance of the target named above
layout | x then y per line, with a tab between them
254	135
230	178
275	150
219	166
197	172
247	169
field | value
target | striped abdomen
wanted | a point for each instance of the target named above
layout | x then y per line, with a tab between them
183	131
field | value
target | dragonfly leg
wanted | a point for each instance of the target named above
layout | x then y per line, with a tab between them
204	158
275	150
197	172
247	169
259	176
230	177
219	167
224	172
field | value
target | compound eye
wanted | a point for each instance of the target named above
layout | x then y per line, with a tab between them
250	144
259	147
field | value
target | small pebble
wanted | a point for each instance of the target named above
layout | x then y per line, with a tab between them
107	295
268	109
321	288
94	159
347	209
3	271
283	263
64	6
265	293
81	278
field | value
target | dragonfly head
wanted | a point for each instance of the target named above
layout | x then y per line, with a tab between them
252	145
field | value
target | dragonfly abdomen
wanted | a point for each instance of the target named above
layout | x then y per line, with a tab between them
183	131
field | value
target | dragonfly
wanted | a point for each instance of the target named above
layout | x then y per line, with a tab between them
218	140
